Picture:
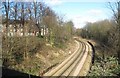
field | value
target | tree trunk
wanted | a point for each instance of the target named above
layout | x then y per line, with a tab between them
118	32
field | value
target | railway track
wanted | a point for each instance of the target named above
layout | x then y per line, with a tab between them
75	63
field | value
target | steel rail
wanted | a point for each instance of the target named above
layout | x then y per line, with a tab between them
72	67
74	63
50	73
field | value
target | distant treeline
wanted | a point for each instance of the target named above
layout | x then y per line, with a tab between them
107	32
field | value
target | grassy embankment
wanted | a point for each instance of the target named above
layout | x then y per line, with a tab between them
33	55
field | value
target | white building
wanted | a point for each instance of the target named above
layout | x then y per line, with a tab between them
26	31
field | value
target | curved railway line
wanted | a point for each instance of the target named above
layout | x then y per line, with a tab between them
77	64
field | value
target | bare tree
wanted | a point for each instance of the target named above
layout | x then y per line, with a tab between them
7	7
15	15
116	38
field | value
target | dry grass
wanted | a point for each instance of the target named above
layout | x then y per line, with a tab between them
41	57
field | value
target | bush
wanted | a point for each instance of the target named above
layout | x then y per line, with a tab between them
14	48
108	67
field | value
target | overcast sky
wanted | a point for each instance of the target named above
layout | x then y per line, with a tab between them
81	12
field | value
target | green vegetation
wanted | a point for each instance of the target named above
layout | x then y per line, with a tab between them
108	68
23	53
31	54
107	34
98	31
104	64
26	52
15	49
